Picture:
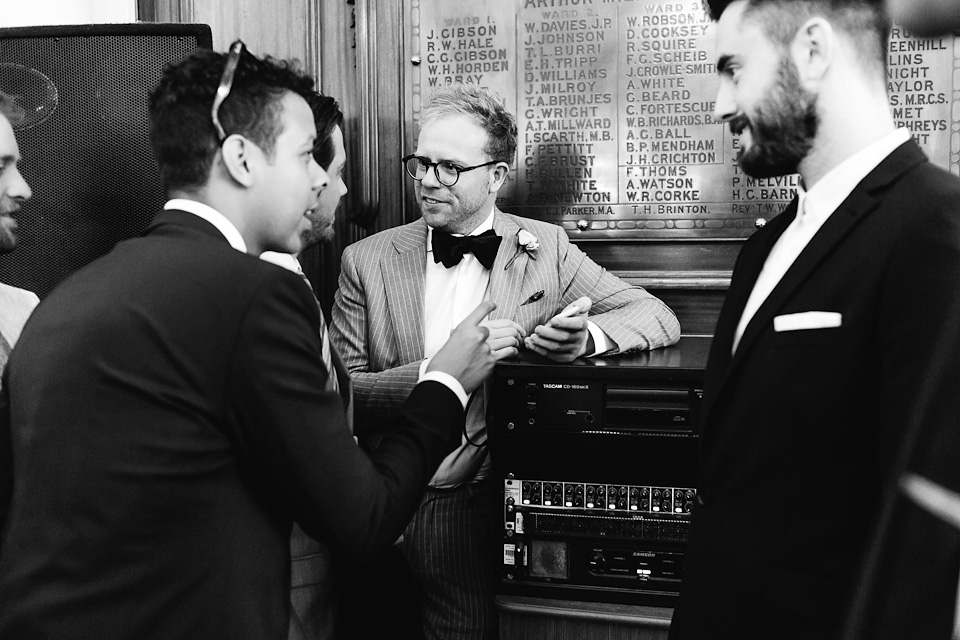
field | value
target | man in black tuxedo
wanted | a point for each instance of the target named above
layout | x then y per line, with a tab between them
839	335
912	558
167	413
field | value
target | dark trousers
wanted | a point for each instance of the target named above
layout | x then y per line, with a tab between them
378	600
439	583
451	549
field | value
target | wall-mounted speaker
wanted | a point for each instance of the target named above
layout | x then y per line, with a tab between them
85	139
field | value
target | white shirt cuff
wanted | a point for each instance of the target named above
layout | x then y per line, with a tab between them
445	379
601	343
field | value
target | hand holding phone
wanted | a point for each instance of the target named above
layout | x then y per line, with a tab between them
564	336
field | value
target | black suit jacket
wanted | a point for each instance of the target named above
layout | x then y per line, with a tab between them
166	424
800	429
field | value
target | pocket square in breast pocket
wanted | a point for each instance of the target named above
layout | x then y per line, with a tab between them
807	320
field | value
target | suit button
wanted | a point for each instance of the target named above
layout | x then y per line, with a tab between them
703	497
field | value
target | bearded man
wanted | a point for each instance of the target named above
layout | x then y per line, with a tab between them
15	304
839	337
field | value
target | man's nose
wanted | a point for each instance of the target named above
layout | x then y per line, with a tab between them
431	175
320	177
18	188
725	107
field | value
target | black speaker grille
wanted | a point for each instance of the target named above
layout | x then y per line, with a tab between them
89	164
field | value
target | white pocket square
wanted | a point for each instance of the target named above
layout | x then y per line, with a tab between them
807	320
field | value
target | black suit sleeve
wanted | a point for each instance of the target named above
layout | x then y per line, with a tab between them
914	560
6	454
295	437
919	320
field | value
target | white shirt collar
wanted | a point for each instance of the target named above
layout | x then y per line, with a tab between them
286	260
212	216
829	193
486	225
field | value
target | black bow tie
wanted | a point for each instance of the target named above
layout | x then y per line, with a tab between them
449	249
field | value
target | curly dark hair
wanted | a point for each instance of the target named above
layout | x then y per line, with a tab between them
327	117
181	130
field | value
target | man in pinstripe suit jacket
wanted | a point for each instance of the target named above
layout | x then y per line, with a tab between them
398	298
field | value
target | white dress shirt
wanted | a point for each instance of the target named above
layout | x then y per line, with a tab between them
16	305
212	216
813	209
449	297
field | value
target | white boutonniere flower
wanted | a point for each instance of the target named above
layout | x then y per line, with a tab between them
526	243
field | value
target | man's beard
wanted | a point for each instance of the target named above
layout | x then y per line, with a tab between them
316	236
783	127
319	231
8	233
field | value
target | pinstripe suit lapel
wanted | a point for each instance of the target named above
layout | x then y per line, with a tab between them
403	275
506	278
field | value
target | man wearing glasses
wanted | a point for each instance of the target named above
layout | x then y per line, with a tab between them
402	290
167	415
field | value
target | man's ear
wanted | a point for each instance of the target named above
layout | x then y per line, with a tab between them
498	177
236	154
812	50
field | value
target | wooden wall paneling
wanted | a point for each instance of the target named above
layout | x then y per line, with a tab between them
360	45
389	46
359	66
337	77
365	132
289	29
692	277
695	262
697	310
278	29
158	11
281	29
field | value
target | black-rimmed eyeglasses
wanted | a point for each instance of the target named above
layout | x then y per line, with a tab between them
226	83
447	173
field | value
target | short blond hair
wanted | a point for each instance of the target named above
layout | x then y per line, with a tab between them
486	108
